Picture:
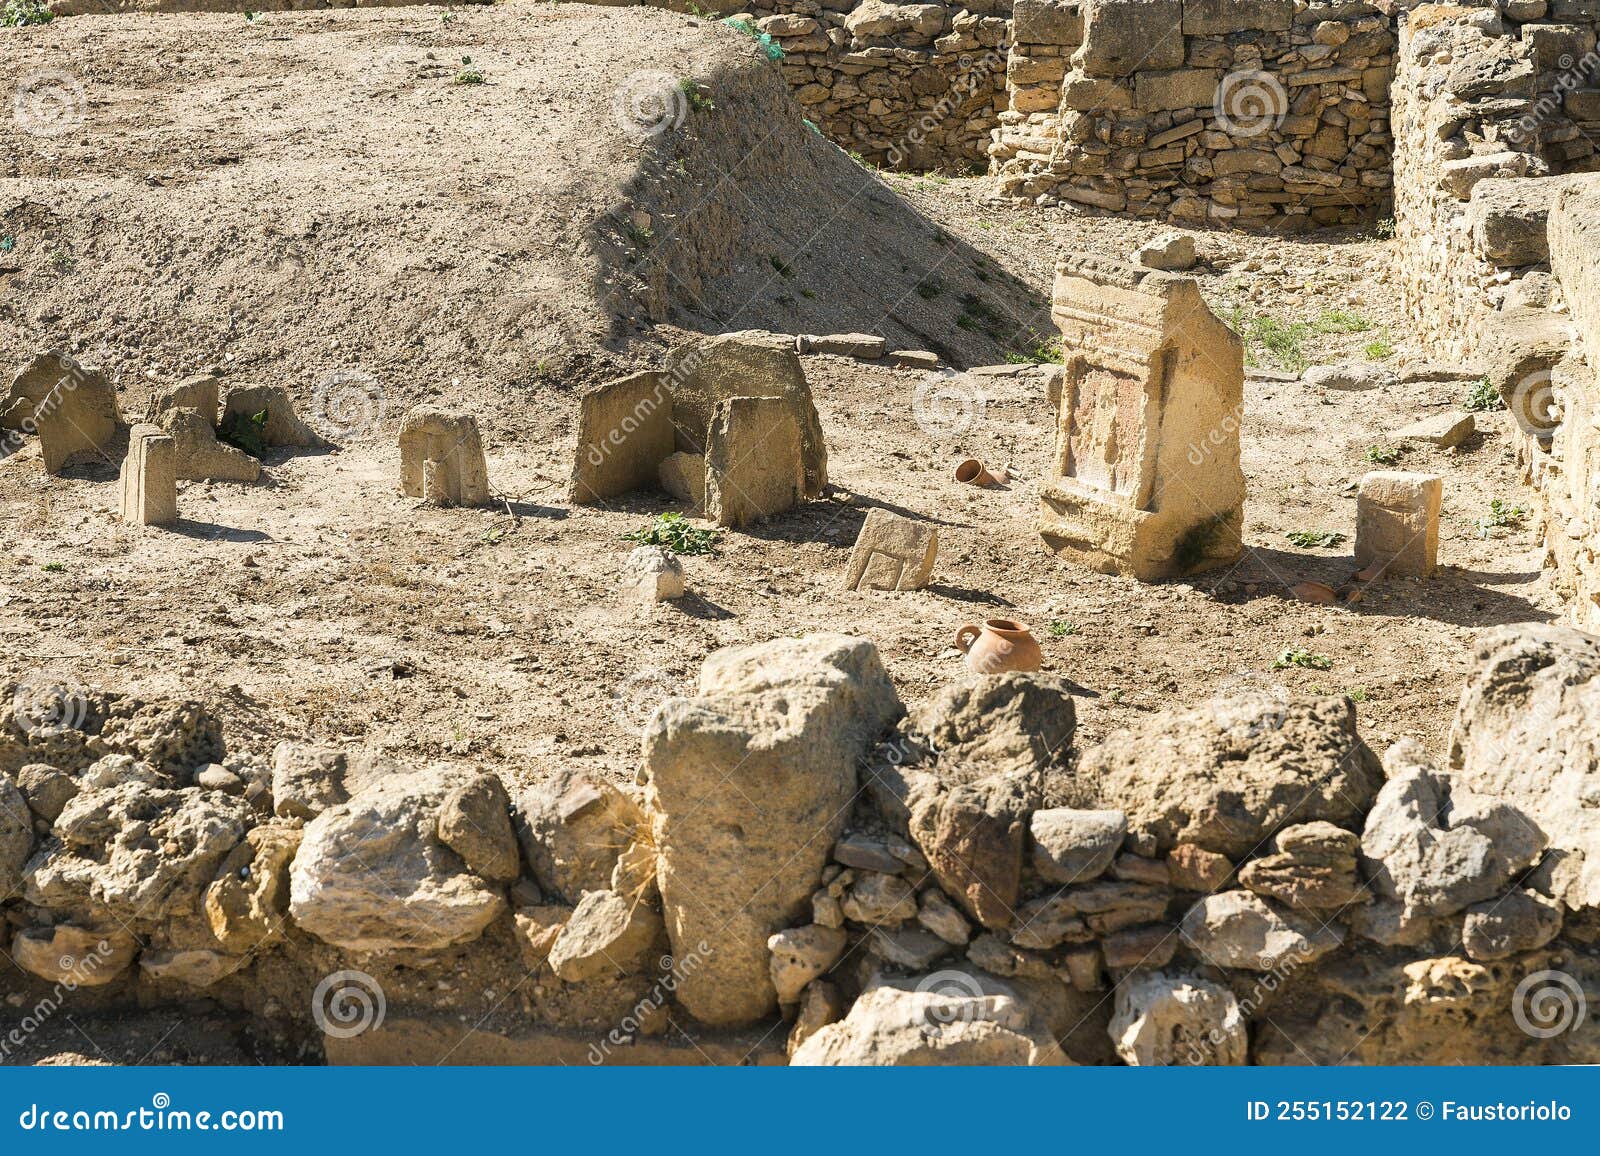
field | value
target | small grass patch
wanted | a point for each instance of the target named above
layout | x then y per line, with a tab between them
1280	345
1483	397
1039	350
1061	629
675	532
1384	455
21	13
695	94
1314	539
469	73
929	288
1379	349
1340	321
1501	516
247	432
54	567
1303	658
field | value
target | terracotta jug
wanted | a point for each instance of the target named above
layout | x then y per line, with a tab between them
999	645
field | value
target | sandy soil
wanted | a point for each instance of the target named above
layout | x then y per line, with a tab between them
323	604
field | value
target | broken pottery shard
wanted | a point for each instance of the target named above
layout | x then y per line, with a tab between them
1146	478
1397	522
441	458
892	553
150	478
753	461
625	433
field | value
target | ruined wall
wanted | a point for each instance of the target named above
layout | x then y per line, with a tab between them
909	86
1265	113
1480	146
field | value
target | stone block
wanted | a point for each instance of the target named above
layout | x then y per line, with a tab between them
1047	22
279	425
72	408
625	432
892	553
441	458
754	460
1397	522
201	393
1179	88
1086	94
704	373
1508	217
1221	17
201	457
1146	478
1122	37
684	477
150	478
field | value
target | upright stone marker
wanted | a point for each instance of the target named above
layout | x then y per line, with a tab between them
72	408
1397	522
754	467
625	432
892	553
150	477
1146	478
441	458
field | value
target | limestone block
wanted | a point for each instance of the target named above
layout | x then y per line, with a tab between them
625	432
441	458
1179	88
201	393
1508	217
72	408
704	373
892	553
868	346
200	456
1220	17
1164	1020
1120	37
281	426
653	574
754	463
1046	22
749	785
1397	522
684	477
1146	478
150	478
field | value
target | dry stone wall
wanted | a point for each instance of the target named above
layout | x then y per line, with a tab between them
1266	112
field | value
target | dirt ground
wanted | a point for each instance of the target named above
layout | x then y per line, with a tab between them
323	604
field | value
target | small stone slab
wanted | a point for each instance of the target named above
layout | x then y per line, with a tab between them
867	346
1445	430
892	552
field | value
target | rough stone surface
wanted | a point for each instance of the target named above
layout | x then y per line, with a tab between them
653	574
1516	922
1397	522
892	552
948	1018
16	837
441	458
1170	252
72	408
800	955
607	934
573	829
1192	868
625	434
1228	776
200	456
1436	846
81	956
282	427
306	779
1525	732
878	898
1239	929
1309	866
1350	375
749	786
1164	1020
1075	846
247	904
372	874
753	460
149	478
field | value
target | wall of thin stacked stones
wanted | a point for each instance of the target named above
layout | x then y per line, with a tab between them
1265	113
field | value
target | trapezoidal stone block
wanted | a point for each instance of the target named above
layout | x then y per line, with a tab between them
441	458
892	553
704	373
150	477
1146	478
624	434
72	408
1397	522
754	466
